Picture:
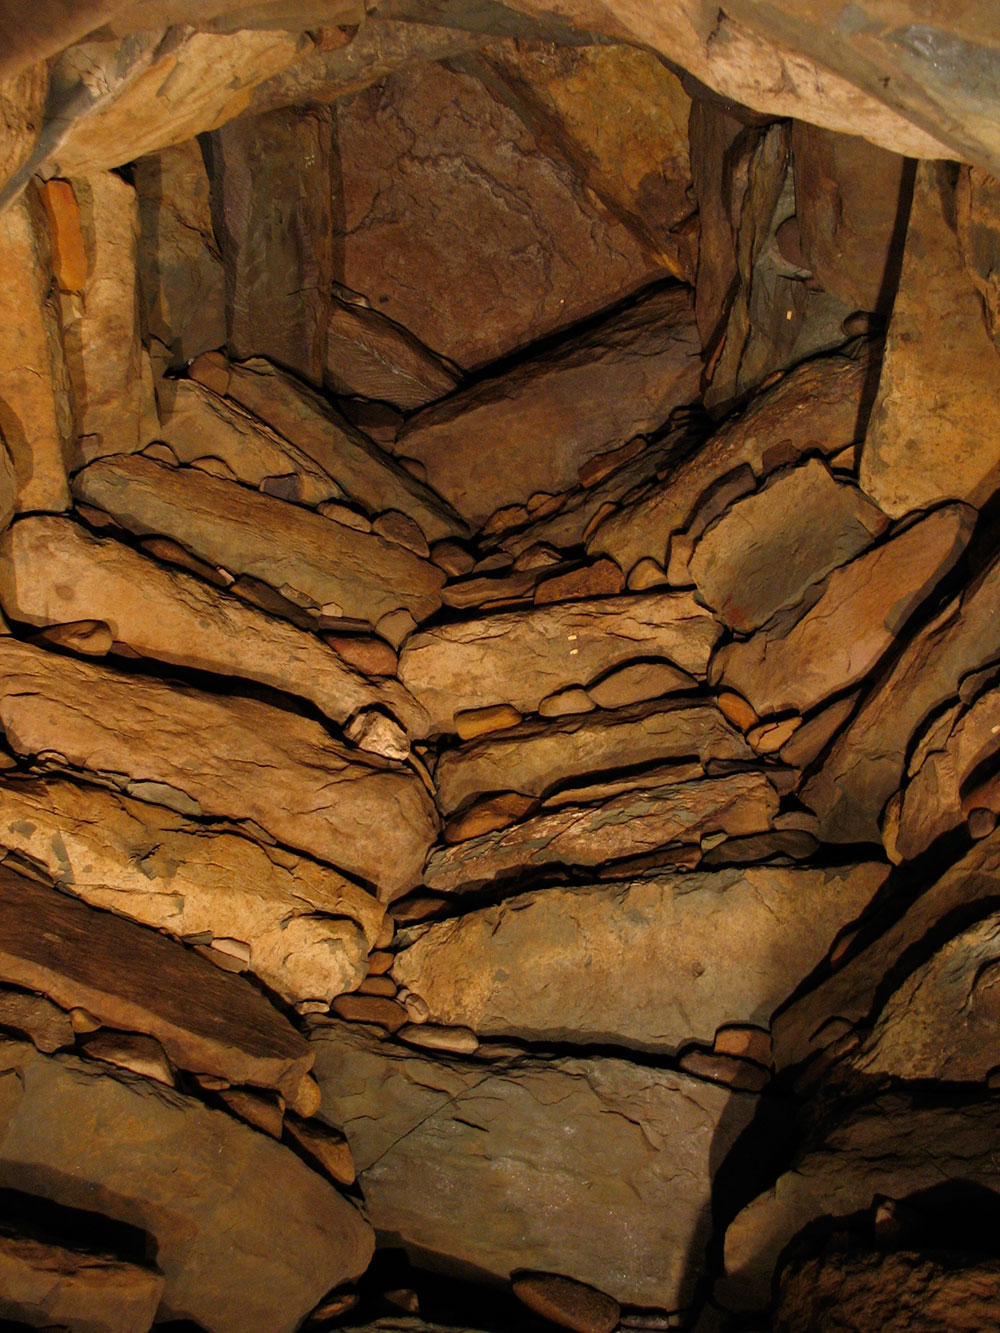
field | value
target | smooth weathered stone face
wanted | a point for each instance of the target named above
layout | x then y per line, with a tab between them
308	930
767	550
641	963
599	1169
538	758
507	437
230	757
891	1147
133	979
314	562
53	572
862	608
935	424
424	154
247	1237
520	658
367	354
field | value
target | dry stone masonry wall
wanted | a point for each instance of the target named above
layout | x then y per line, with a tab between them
499	666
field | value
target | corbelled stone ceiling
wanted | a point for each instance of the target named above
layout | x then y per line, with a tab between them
500	666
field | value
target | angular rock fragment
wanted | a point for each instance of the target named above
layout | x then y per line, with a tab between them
569	1304
520	658
484	1166
540	757
767	550
272	186
108	367
814	408
421	155
232	757
637	682
866	763
935	425
640	963
320	565
373	478
369	355
35	1017
247	1237
35	413
621	827
180	268
308	929
507	437
45	1281
894	1146
862	608
53	572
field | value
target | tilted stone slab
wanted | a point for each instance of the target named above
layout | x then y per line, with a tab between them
598	1169
53	572
633	824
137	980
521	657
307	928
650	963
503	439
208	754
538	757
862	607
314	562
247	1237
369	355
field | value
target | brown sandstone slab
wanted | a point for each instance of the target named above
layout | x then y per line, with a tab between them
53	572
935	424
421	155
226	756
307	928
633	824
569	1304
473	1164
135	980
507	437
891	1147
33	1016
814	408
180	268
368	355
862	608
540	757
767	549
866	764
41	1280
247	1237
977	206
521	657
373	478
325	567
643	963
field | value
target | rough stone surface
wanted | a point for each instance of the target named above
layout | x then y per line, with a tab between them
573	1180
934	427
862	609
325	567
522	657
424	154
765	551
368	355
567	1303
640	963
307	928
247	1238
547	416
207	754
33	1016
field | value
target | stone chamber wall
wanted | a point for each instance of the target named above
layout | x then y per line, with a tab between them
499	666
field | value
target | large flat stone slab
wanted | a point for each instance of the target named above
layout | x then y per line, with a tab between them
521	657
650	963
307	929
314	562
247	1237
224	756
504	438
598	1169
